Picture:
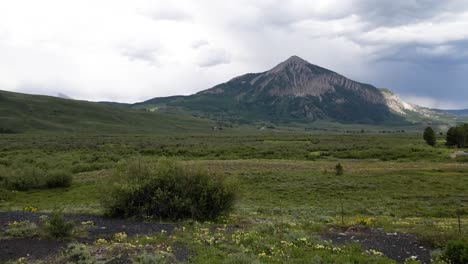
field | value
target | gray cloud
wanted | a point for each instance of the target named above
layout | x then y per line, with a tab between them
199	43
209	57
450	53
397	13
170	13
142	53
419	48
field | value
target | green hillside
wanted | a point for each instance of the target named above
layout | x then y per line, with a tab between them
24	113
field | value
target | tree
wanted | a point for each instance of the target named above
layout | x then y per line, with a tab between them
461	135
451	137
457	136
429	136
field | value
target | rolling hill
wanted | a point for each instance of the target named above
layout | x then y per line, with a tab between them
35	113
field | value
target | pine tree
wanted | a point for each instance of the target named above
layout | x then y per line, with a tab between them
457	136
429	136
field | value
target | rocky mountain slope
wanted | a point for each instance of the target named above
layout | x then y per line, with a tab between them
293	91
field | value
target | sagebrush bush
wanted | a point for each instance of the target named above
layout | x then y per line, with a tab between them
58	178
167	190
25	179
456	252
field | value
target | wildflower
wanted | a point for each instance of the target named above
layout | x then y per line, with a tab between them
100	241
374	252
120	237
30	209
365	221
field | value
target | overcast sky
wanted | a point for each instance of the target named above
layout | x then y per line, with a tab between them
129	51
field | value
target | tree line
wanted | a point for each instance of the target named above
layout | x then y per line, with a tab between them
456	136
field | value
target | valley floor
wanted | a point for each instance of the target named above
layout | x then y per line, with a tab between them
397	198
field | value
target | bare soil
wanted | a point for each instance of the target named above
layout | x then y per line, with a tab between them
36	248
397	246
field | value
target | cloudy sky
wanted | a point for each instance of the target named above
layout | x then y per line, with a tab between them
134	50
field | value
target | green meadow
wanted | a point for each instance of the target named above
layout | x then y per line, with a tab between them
288	189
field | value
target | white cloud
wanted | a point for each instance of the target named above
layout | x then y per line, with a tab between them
128	50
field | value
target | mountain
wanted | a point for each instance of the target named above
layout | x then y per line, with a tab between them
298	91
24	113
293	91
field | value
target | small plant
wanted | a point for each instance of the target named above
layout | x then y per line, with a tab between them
456	252
339	170
77	253
241	258
58	178
22	229
159	257
57	226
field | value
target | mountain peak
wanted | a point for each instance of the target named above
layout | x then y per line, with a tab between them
293	62
295	59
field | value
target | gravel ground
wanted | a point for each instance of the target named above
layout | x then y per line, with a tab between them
35	248
397	246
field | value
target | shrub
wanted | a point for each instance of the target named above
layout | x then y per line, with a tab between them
21	229
456	252
57	226
167	190
339	169
58	178
25	179
77	253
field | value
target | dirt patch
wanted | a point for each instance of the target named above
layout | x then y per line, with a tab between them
12	249
35	248
397	246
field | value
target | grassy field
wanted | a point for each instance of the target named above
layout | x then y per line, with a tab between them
288	189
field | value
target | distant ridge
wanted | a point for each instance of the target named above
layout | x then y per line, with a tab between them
25	113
